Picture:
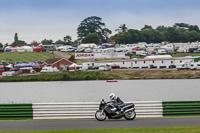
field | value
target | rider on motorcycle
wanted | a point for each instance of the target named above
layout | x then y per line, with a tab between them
117	102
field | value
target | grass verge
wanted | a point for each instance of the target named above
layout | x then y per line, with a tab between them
121	130
25	56
67	76
107	75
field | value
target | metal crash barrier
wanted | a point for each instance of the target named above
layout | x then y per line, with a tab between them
88	109
16	111
74	110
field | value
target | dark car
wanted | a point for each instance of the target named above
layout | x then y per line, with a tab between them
96	67
196	51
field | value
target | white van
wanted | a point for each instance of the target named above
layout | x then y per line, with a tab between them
195	65
75	68
105	67
141	53
162	51
182	66
49	70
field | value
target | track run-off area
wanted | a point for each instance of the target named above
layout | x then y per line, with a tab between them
35	125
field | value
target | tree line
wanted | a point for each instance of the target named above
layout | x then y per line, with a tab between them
93	30
179	32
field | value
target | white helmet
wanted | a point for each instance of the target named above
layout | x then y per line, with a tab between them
113	97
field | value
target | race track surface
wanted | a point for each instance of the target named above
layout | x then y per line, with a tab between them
94	124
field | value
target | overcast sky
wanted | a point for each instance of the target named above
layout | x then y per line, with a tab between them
54	19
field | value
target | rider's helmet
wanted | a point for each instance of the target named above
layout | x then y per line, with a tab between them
113	96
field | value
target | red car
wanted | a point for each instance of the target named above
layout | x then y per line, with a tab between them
2	69
38	49
115	67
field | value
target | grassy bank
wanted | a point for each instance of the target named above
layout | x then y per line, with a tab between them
25	56
153	74
173	55
57	77
127	130
106	75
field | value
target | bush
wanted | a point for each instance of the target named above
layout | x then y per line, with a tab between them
65	76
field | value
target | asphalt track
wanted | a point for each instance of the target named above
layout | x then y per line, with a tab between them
94	124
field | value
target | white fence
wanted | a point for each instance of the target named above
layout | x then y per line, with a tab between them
88	109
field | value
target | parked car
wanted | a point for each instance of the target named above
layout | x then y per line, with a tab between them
2	69
88	50
105	67
96	67
38	49
65	68
182	66
80	49
197	51
162	51
49	70
71	49
12	72
141	53
194	65
115	66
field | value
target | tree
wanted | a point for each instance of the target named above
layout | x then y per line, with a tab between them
67	40
93	24
34	42
181	25
5	45
147	35
147	27
135	35
122	28
91	38
123	38
179	32
59	42
194	27
1	45
45	41
76	42
16	38
194	36
17	41
161	28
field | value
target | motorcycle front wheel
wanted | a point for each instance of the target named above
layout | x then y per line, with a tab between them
100	116
130	115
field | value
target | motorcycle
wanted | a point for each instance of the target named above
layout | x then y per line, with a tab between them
107	109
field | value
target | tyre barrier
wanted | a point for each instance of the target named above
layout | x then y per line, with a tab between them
181	108
75	110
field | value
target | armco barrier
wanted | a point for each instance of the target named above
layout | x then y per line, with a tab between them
63	110
148	108
181	108
88	109
16	111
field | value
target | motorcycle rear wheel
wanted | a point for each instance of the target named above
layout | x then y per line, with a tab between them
100	116
130	115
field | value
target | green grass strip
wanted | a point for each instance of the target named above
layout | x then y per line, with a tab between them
121	130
